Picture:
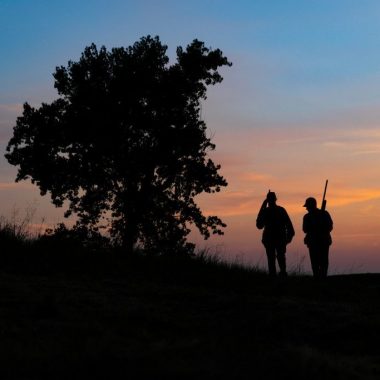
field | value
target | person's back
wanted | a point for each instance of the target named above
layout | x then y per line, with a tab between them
317	224
278	232
276	223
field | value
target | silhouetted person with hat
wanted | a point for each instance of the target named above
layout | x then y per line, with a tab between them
278	232
317	224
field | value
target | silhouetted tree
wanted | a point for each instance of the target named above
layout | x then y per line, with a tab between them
124	143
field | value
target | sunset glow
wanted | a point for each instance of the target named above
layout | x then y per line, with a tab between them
301	104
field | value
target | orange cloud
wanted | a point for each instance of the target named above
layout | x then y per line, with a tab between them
255	177
346	197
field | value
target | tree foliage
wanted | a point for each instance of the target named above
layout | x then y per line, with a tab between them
124	143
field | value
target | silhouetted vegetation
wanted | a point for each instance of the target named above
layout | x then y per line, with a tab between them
107	315
71	310
125	145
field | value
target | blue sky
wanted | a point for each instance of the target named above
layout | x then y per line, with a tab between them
305	49
301	102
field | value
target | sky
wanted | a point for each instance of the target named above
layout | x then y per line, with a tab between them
301	104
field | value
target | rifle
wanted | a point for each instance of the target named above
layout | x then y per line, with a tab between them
323	207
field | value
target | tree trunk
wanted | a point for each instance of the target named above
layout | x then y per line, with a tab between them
130	235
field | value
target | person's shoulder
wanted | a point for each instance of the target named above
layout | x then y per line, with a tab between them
281	212
280	208
326	214
306	216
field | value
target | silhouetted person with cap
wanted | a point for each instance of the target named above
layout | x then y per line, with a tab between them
317	224
278	232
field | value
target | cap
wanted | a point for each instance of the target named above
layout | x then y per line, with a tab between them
310	202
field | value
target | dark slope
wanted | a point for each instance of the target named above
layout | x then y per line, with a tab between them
105	317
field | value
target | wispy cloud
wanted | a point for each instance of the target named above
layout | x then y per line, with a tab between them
11	108
295	162
16	185
349	196
254	177
8	115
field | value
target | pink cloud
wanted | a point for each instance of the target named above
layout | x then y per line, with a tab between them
16	185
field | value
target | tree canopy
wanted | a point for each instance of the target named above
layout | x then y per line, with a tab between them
124	143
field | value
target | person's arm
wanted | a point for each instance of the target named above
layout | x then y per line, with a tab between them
329	222
305	224
289	228
289	225
260	221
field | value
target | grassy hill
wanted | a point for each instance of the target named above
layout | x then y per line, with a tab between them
105	316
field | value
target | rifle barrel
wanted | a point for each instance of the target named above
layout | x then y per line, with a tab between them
324	193
323	207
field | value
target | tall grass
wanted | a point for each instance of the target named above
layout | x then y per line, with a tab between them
27	246
16	231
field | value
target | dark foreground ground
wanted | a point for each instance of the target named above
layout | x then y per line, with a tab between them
108	317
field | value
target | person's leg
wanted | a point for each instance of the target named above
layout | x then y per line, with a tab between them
271	256
281	259
324	261
313	252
